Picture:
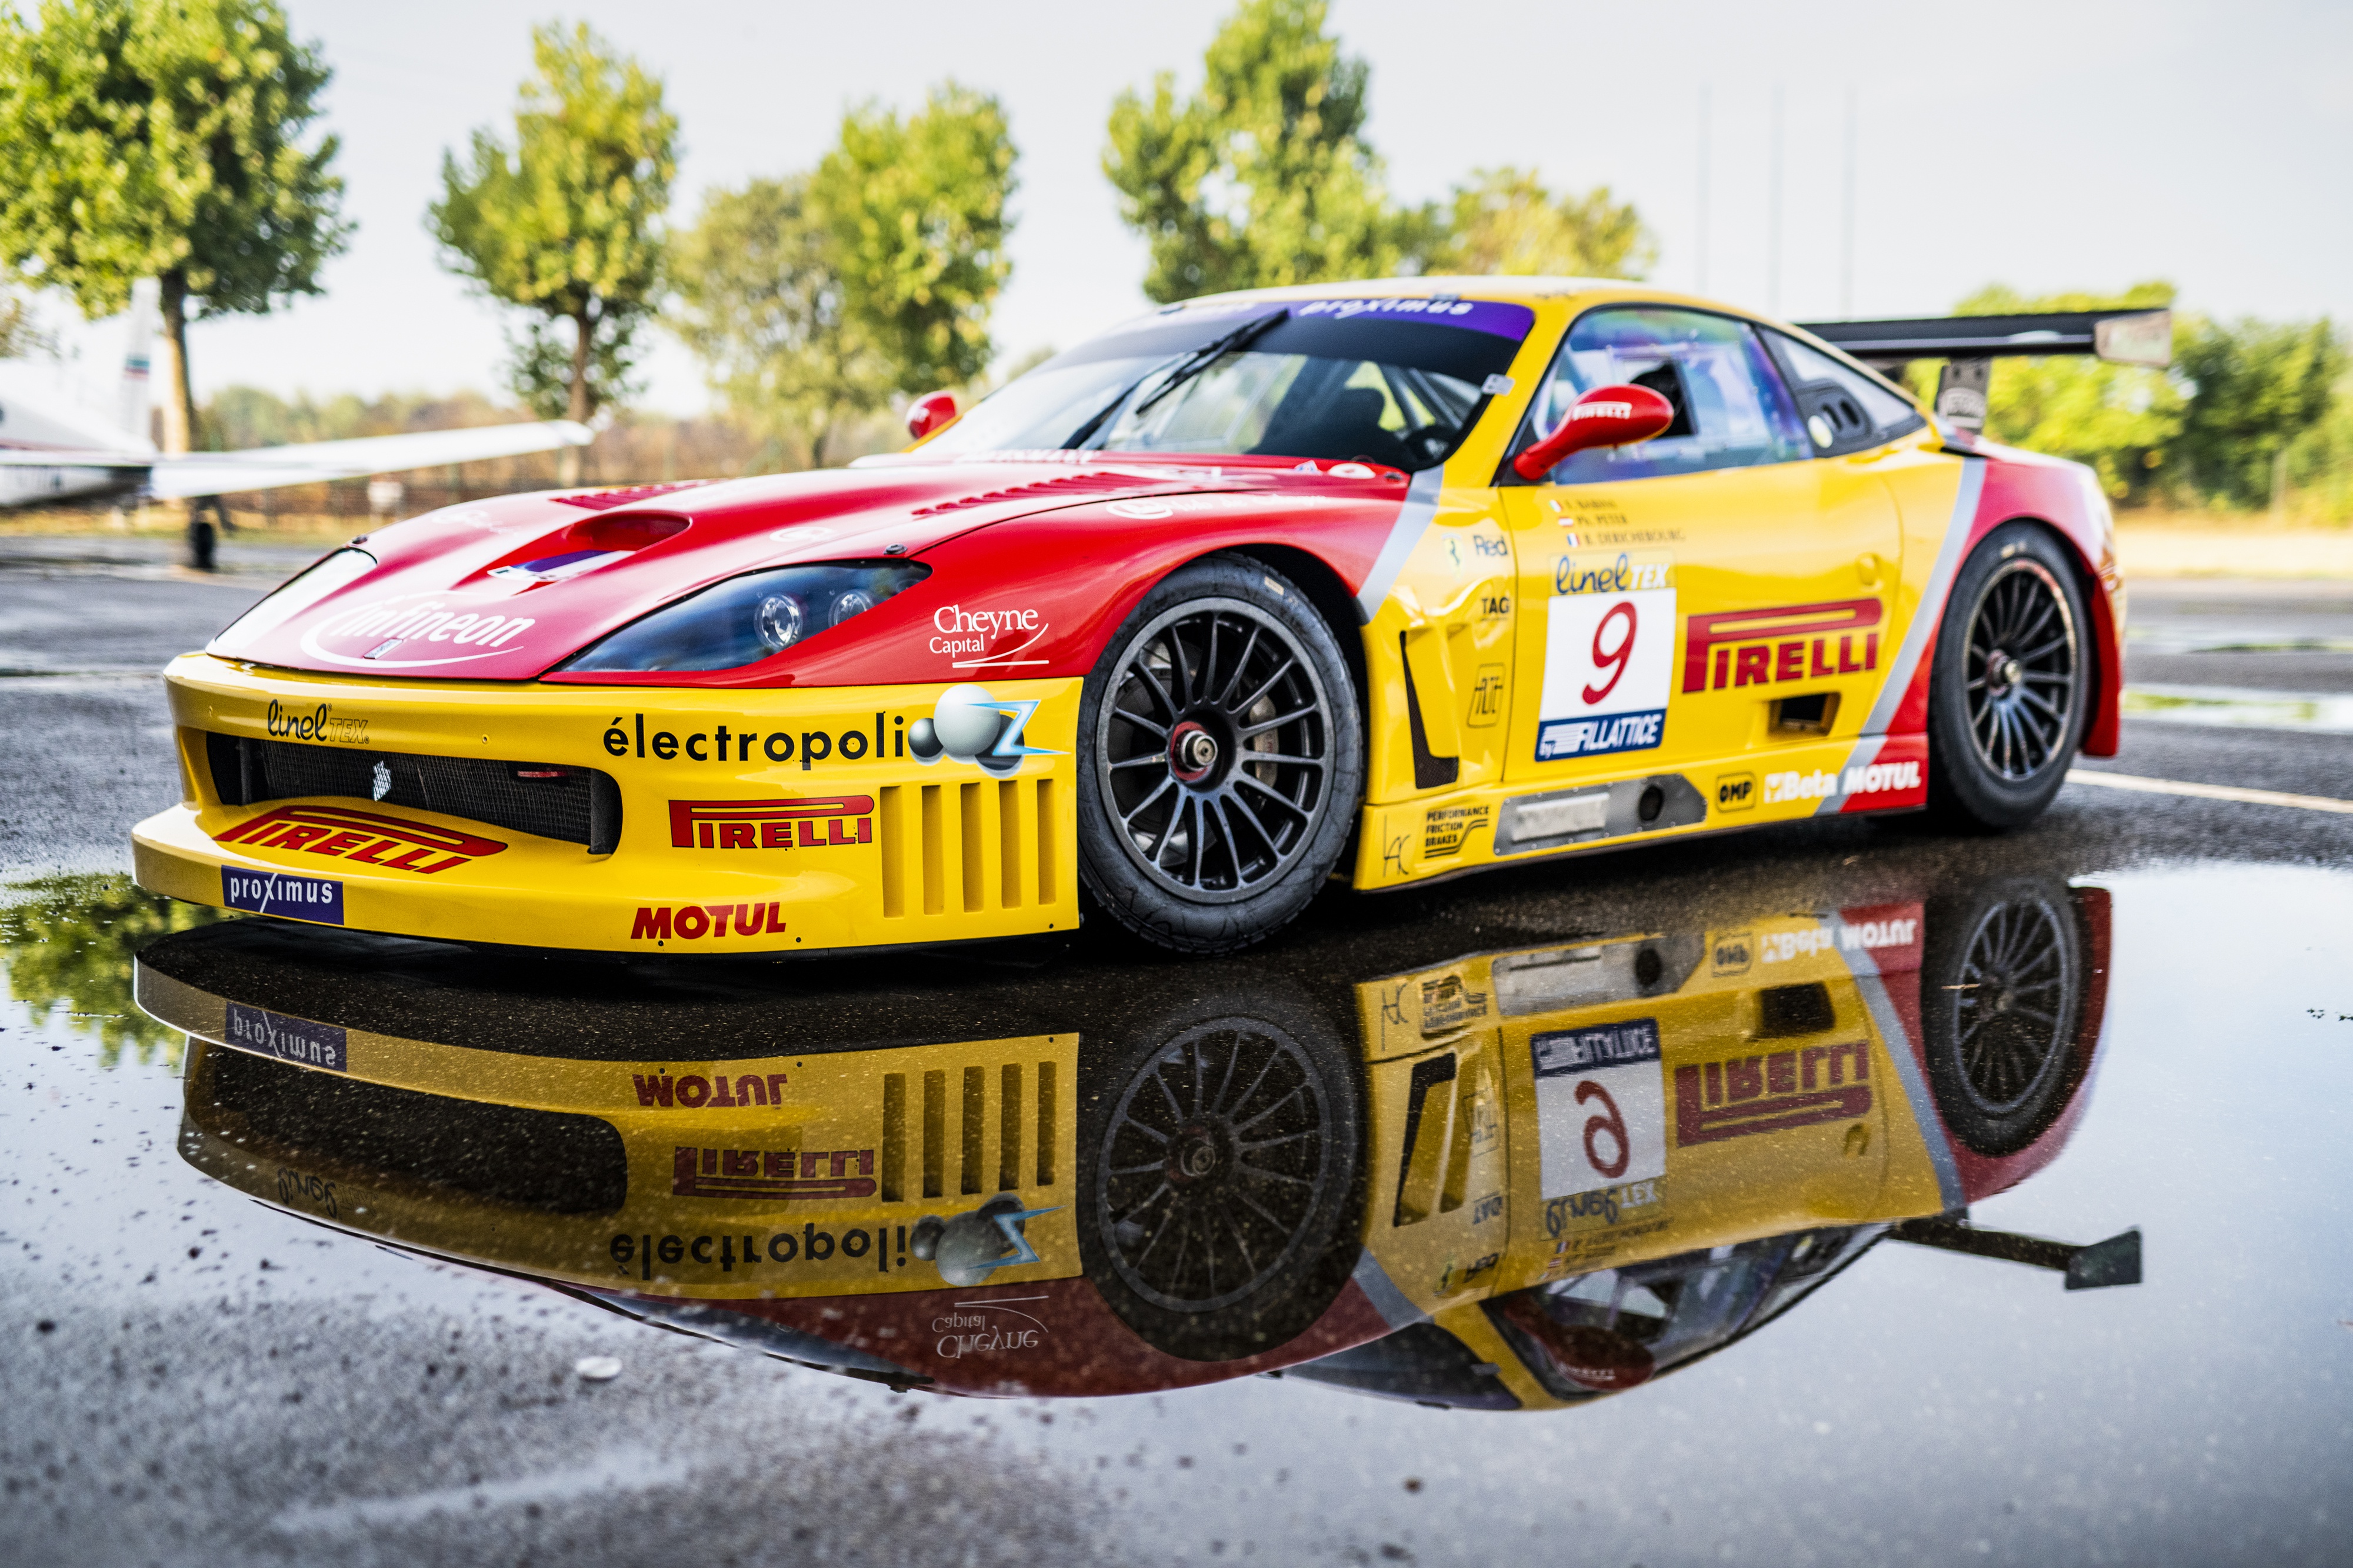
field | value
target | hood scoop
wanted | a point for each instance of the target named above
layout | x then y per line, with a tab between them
605	501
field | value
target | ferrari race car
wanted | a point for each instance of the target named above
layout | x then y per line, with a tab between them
1512	1180
1377	581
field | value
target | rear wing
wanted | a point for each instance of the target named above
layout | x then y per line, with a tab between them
1969	345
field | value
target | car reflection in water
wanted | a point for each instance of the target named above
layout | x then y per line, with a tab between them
1525	1179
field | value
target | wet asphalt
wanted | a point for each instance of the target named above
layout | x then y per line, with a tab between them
192	1376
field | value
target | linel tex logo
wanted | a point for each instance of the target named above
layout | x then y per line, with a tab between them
1765	647
768	824
367	837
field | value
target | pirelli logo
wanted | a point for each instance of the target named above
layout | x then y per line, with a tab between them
804	822
784	1173
1769	1093
1765	647
370	837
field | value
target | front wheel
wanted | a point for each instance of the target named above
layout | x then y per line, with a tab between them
2008	691
1221	760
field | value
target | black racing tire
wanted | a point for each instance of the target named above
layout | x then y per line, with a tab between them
2005	972
2010	686
1185	836
1221	1170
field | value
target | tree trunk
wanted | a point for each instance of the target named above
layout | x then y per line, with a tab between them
178	410
577	407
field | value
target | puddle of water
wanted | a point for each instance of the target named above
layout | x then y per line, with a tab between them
1979	1219
2241	708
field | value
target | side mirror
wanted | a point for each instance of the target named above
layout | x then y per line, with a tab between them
929	412
1605	416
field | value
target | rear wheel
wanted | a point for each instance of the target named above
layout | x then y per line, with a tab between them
1222	760
2003	1006
2007	694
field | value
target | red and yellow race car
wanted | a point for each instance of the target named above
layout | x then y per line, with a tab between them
1382	582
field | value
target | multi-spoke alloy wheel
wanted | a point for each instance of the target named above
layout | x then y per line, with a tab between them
1225	759
2003	1004
2010	683
1213	1161
1216	750
2022	659
1220	1164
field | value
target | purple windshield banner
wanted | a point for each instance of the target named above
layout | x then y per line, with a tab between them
1490	316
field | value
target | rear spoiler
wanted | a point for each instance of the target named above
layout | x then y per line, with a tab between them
1969	345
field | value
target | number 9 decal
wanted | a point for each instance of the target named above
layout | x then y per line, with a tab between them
1616	657
1609	1122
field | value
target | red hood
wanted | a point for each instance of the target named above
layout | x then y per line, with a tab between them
450	599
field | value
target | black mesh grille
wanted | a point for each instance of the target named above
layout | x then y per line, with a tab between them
554	1161
579	805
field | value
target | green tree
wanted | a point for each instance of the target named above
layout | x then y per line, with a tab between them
1263	177
566	224
2259	386
67	943
916	211
165	139
1505	223
2120	419
760	301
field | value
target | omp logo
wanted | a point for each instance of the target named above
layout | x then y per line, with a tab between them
320	723
1765	647
1732	953
693	922
772	1173
1735	792
394	843
824	821
1772	1093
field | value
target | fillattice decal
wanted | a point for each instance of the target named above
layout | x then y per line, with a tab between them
370	837
825	820
699	1172
1768	647
1770	1093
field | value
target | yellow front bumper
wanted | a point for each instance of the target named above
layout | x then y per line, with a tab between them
817	829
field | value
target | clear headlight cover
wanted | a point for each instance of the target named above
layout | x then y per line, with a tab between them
746	619
296	594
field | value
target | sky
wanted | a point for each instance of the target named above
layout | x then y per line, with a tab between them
2050	146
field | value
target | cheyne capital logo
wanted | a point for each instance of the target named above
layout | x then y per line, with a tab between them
968	725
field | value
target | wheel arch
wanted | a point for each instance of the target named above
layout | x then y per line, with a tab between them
2105	644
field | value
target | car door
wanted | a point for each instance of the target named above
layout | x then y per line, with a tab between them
1717	591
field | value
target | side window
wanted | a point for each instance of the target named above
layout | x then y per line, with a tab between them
1844	410
1731	410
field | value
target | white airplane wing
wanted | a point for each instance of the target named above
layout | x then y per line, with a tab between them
266	467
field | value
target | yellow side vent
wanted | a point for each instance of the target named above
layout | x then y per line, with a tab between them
970	848
942	1138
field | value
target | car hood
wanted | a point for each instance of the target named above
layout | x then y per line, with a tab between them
508	589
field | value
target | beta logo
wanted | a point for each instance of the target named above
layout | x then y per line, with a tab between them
823	821
968	725
1870	778
693	922
394	842
1767	647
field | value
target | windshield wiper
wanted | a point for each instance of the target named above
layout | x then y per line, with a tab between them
1183	371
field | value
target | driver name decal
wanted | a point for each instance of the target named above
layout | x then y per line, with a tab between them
1609	651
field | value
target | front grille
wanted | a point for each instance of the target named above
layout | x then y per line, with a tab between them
552	1161
579	805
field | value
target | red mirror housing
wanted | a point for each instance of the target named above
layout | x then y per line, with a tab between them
1605	416
929	412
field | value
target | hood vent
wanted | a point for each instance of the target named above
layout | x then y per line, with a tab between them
605	501
1100	481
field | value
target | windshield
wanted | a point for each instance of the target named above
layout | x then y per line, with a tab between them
1396	382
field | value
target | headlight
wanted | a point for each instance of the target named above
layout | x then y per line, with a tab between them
299	593
746	619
